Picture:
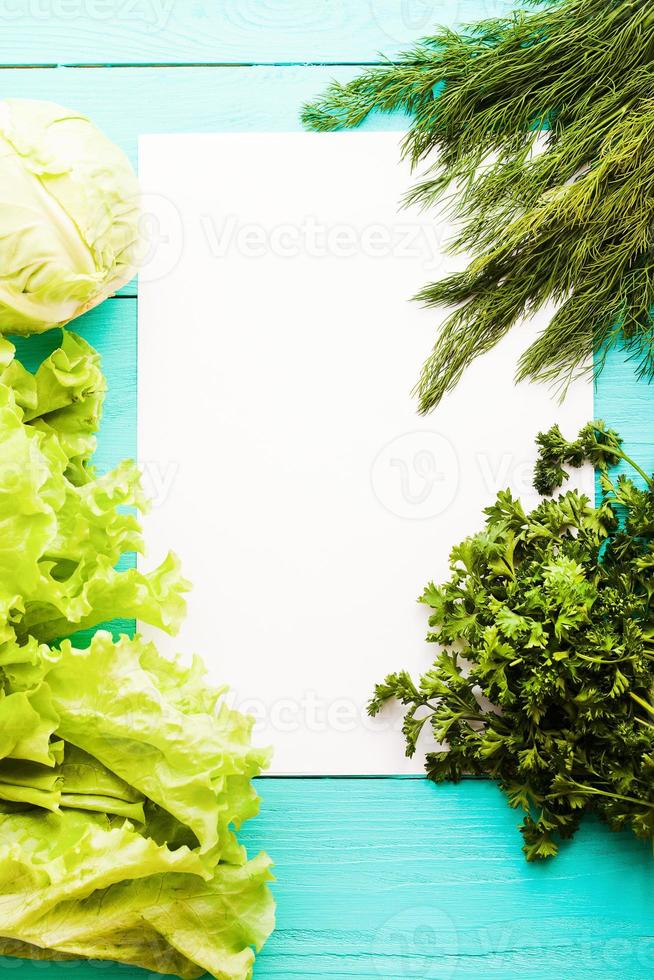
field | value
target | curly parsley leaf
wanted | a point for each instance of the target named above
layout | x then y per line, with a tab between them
543	677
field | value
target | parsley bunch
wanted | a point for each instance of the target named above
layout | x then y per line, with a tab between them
544	674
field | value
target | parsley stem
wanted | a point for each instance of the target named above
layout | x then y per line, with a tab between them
602	792
627	459
601	660
641	702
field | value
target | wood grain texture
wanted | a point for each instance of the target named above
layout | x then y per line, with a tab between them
388	879
404	880
112	32
398	878
126	102
626	402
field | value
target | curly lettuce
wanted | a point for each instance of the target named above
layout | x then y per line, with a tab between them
124	776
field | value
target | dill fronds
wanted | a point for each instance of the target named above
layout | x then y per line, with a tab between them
542	128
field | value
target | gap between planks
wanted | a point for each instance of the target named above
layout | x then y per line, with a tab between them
199	64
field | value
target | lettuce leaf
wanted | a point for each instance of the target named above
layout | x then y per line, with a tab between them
152	922
187	752
64	530
124	777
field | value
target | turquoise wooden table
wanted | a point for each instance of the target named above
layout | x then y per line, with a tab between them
377	878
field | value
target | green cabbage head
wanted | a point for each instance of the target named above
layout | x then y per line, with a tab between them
69	202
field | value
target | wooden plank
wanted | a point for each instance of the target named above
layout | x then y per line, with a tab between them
264	98
125	102
378	878
201	100
108	32
400	879
626	402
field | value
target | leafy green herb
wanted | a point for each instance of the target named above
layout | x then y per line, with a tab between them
544	675
597	444
542	123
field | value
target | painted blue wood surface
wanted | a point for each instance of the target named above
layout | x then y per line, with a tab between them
404	880
125	102
376	878
627	404
111	32
356	899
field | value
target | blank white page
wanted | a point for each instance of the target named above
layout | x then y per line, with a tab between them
310	504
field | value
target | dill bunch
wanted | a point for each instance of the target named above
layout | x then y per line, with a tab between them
543	127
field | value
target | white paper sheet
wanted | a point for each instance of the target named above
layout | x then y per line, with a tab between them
309	503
